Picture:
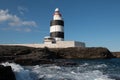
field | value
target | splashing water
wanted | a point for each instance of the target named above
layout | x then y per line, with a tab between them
20	72
84	71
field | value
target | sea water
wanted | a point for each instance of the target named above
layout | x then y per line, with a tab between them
98	69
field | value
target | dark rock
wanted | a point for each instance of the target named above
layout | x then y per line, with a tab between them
6	73
33	61
114	77
83	53
31	56
116	54
66	64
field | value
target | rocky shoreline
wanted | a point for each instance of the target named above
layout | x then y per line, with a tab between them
32	56
116	54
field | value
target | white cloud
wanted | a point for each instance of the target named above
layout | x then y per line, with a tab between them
23	23
27	30
23	29
19	29
15	21
4	15
22	9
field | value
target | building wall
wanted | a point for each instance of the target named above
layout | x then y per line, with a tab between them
77	44
58	44
70	44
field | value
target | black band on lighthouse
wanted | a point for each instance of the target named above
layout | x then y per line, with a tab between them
56	22
57	34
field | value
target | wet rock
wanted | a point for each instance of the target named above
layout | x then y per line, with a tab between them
32	61
6	73
66	64
115	77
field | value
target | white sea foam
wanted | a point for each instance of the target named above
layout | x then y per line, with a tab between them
20	72
101	66
68	73
85	64
53	72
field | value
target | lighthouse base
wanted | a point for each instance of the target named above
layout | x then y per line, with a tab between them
58	44
66	44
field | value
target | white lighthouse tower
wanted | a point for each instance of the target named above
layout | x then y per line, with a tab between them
57	26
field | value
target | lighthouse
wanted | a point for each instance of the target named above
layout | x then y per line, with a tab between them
56	37
57	26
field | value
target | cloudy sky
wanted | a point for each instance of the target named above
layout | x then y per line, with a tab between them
95	22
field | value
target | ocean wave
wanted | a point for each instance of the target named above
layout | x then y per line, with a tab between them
53	72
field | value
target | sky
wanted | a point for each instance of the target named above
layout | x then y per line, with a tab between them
95	22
